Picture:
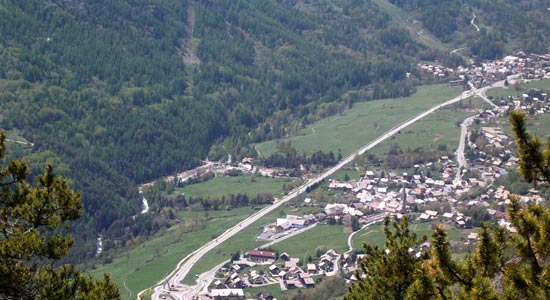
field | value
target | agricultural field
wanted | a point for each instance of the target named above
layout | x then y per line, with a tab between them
353	128
439	128
244	184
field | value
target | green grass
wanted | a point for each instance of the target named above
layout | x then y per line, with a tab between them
540	126
523	87
321	236
340	175
275	289
440	127
152	260
364	122
245	184
374	235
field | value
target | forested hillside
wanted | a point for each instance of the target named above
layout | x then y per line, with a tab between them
502	25
116	93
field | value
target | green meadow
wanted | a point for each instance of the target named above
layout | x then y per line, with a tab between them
226	185
374	235
540	126
364	122
321	236
523	87
441	127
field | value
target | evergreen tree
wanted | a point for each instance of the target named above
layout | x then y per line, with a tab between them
33	222
389	271
534	163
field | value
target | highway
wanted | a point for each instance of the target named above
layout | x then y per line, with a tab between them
183	268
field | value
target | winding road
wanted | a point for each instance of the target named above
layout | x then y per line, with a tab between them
173	279
371	220
473	22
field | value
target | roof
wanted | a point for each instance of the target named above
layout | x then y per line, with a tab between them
263	254
227	292
309	281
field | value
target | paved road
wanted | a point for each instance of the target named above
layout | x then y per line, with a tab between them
481	92
462	163
371	220
184	266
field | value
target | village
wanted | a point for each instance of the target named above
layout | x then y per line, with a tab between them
431	193
439	191
532	66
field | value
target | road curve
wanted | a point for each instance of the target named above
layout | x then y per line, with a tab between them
371	220
185	265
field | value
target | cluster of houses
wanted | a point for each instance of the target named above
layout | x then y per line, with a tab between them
532	66
284	270
535	102
436	69
423	192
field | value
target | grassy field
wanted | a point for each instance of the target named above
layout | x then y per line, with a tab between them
245	184
374	235
352	174
364	122
540	126
149	262
440	127
523	87
307	243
